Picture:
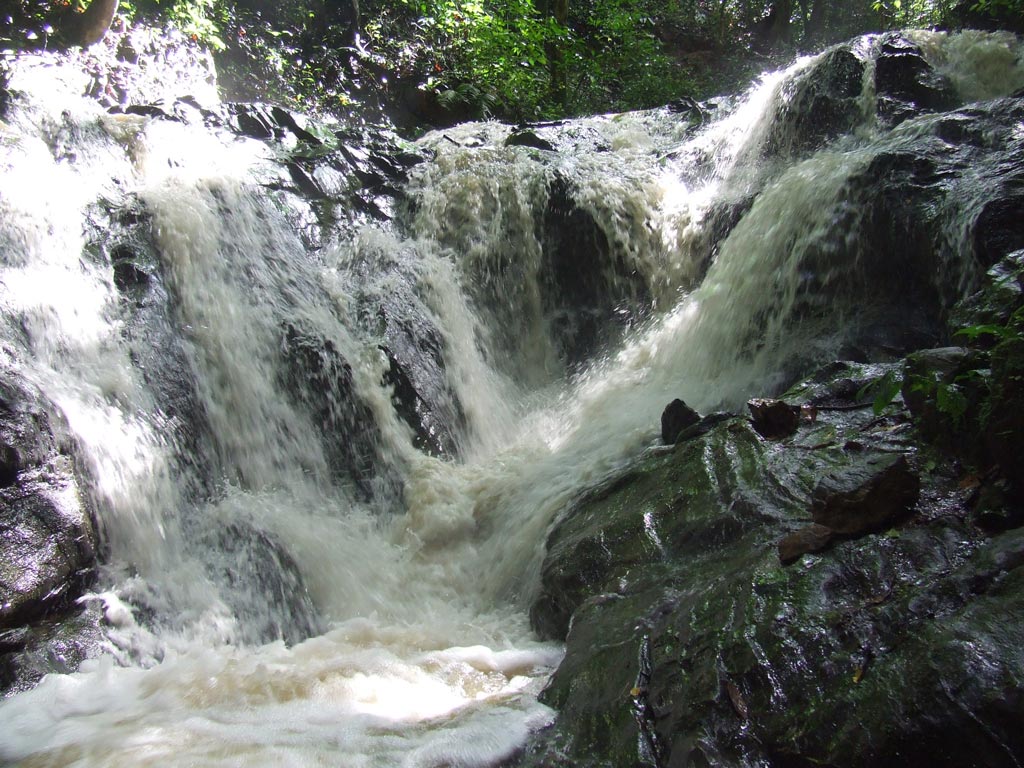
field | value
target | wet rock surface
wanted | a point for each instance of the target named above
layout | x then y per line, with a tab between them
46	530
708	621
773	418
906	83
870	491
587	291
320	377
847	594
675	419
391	310
48	545
263	580
821	105
803	541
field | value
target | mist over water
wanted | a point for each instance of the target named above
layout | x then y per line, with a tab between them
227	522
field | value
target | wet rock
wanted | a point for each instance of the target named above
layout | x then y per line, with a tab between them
662	575
49	544
773	419
906	83
151	330
321	378
526	138
10	464
254	120
996	509
47	540
810	538
1001	295
587	290
1004	427
998	229
691	108
391	310
433	434
265	588
820	106
869	493
48	646
676	418
665	507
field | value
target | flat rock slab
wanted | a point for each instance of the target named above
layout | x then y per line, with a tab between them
871	492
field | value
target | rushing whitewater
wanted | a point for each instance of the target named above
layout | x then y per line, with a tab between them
289	579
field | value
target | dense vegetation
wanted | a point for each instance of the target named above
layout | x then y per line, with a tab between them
522	59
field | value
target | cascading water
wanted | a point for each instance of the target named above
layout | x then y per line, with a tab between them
296	571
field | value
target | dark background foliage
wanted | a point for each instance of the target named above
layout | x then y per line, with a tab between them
437	61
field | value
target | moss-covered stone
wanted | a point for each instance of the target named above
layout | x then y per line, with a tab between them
689	643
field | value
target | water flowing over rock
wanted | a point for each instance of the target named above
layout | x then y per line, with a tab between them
49	539
308	423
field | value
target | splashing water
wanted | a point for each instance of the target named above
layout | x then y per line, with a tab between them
228	522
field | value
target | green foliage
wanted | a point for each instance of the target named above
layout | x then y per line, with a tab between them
202	20
616	61
882	391
912	13
995	7
514	59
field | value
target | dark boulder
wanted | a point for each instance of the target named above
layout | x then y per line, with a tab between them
524	137
319	376
894	275
51	645
588	291
819	106
46	529
773	419
125	239
906	84
48	544
676	418
1004	426
999	228
263	585
689	643
391	311
1001	294
868	493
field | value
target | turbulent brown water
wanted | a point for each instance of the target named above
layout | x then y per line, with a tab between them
419	651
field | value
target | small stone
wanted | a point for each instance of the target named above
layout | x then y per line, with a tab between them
676	418
774	419
810	538
871	492
527	138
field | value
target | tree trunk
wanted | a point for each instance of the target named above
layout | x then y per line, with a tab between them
88	28
774	28
556	60
816	23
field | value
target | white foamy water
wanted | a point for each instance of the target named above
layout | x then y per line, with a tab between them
417	649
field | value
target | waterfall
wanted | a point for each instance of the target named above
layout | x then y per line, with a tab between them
324	468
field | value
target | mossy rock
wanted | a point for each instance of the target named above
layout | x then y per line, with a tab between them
689	643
